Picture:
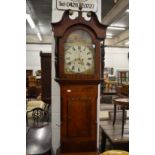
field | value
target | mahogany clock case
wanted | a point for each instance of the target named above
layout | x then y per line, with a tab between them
78	91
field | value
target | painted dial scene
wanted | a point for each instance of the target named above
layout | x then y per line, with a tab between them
79	53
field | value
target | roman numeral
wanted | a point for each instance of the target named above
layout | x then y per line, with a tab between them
89	58
88	64
69	63
73	67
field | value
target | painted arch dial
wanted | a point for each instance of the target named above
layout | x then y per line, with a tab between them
79	53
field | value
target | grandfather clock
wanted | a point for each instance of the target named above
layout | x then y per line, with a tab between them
78	69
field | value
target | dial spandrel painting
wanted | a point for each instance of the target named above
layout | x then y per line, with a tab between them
79	53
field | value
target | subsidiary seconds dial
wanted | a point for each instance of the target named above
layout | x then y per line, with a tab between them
79	59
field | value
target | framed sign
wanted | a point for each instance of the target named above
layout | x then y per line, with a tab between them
87	5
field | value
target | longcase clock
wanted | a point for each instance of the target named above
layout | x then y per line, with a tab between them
78	71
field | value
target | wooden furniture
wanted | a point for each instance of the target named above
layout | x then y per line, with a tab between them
123	77
38	140
115	152
114	136
28	73
78	70
46	77
122	90
125	89
38	81
124	103
32	93
32	81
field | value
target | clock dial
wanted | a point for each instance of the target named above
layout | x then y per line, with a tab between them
79	59
79	54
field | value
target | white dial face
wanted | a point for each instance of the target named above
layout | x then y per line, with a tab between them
79	58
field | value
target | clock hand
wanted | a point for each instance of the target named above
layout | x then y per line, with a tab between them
81	62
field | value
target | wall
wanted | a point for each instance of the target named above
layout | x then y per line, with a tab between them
33	55
117	58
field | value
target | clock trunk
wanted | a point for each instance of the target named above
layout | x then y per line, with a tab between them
78	118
